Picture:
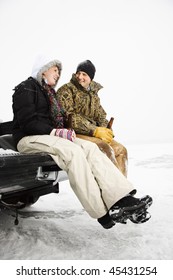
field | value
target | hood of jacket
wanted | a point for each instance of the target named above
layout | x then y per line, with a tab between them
43	63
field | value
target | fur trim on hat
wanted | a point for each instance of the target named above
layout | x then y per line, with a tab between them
42	64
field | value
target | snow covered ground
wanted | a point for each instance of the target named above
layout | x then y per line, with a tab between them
57	227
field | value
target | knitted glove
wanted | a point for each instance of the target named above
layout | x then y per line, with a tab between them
65	133
104	134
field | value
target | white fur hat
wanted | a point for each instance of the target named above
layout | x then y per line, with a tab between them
43	63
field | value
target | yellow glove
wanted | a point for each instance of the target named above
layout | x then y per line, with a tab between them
104	133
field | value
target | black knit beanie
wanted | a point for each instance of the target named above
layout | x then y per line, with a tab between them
88	67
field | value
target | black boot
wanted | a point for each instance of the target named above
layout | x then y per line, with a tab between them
130	207
106	221
142	216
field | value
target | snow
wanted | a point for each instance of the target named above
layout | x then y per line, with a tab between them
57	228
7	152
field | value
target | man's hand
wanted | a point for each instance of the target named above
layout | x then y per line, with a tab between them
104	134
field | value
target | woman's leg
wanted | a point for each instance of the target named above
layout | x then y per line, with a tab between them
93	177
109	178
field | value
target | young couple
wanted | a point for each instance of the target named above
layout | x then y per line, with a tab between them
55	123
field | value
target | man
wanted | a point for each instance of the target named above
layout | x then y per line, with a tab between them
39	127
80	100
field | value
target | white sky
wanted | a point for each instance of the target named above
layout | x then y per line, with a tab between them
129	41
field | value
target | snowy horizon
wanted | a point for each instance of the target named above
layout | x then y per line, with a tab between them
130	42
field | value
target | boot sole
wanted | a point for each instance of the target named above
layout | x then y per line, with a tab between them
137	214
126	212
142	216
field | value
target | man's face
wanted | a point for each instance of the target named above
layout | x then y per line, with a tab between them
52	76
83	79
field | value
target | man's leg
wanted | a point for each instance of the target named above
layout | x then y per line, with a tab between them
121	156
104	147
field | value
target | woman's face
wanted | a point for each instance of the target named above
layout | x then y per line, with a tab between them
51	76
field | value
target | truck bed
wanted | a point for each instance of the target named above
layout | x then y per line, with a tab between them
25	177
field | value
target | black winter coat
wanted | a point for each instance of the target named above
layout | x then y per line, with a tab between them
31	109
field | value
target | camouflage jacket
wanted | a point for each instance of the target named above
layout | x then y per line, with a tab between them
82	106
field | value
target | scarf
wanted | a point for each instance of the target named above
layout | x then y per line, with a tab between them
58	115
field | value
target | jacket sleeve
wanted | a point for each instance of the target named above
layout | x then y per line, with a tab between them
26	113
101	116
81	123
